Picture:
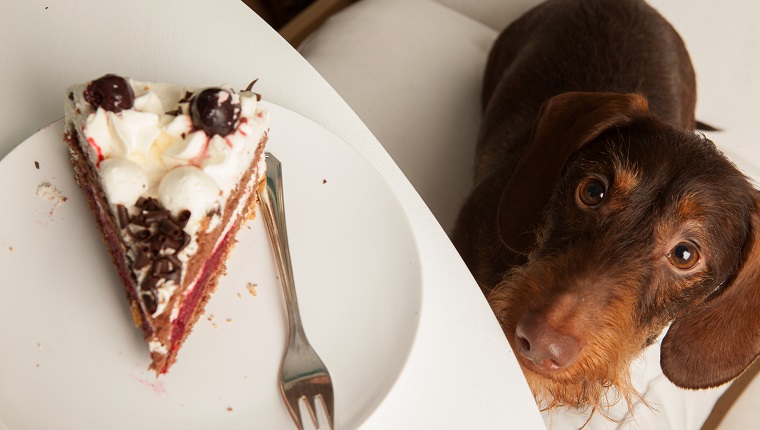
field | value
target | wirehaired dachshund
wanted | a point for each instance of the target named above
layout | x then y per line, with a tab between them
598	217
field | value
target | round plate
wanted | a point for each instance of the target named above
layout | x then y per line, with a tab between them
70	356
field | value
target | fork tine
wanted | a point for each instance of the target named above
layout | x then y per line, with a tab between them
291	400
328	402
311	406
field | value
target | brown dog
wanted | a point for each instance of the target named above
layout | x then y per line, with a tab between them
598	217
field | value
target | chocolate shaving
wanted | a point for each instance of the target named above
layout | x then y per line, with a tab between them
173	275
174	260
141	259
185	241
160	266
158	242
156	216
151	205
150	300
140	235
160	238
173	244
170	228
183	217
139	220
123	216
149	283
186	98
167	268
250	86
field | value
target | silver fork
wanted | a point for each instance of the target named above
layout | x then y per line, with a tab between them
302	374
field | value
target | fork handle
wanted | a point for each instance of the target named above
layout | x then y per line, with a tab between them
273	209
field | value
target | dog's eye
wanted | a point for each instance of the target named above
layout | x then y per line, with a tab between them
591	192
684	256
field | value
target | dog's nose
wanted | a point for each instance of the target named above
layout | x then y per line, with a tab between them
546	347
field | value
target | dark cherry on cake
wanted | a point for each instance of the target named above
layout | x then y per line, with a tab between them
112	93
215	111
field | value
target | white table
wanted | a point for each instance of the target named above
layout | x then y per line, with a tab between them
461	372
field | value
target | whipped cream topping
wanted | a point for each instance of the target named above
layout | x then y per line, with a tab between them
153	150
188	187
123	181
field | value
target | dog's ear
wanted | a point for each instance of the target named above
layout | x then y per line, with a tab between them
717	341
565	123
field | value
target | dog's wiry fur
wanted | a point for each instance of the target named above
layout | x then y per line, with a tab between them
604	89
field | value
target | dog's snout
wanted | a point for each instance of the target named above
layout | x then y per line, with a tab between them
542	344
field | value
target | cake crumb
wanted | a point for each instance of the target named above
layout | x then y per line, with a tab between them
215	325
324	181
229	320
49	192
240	296
10	248
229	409
211	317
252	288
37	165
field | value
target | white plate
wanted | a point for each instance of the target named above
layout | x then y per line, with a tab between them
70	356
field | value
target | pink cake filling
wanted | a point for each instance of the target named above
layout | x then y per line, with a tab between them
188	310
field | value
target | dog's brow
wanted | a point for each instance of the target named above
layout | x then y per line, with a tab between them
627	176
688	207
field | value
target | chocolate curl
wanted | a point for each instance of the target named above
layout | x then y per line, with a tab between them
161	266
172	244
174	260
140	235
141	259
156	216
185	241
250	86
123	215
157	243
150	283
149	299
183	217
148	204
139	219
186	98
170	229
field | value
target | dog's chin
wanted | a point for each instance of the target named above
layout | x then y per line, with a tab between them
562	389
593	384
597	380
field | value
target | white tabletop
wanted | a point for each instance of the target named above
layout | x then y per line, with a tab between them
461	372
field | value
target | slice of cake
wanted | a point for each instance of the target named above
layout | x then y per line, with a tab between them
169	174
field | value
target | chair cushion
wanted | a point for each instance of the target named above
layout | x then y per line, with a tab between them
412	71
492	13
